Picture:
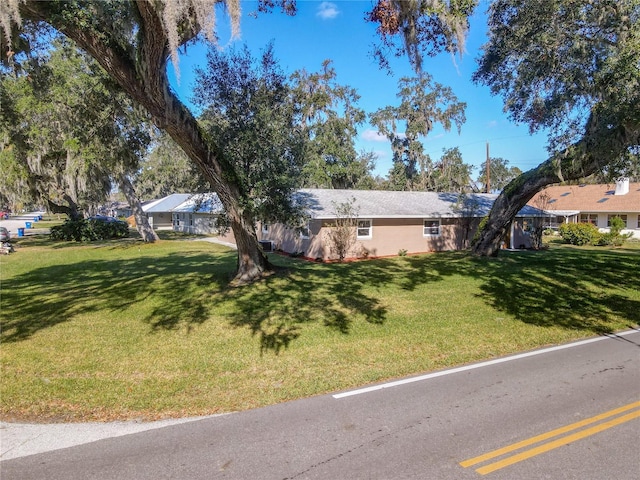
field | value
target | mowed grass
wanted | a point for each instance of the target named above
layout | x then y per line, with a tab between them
126	330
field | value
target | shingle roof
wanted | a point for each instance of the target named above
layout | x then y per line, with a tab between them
166	204
321	203
201	202
590	198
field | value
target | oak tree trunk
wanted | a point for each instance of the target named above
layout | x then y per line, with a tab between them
140	70
600	144
145	230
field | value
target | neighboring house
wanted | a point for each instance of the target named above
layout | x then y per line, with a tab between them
198	214
159	211
389	222
596	204
116	209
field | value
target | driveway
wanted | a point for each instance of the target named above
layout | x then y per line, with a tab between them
19	221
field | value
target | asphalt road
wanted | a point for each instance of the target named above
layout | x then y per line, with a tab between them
560	413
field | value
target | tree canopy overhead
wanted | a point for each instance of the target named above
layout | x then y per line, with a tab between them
133	40
68	132
573	68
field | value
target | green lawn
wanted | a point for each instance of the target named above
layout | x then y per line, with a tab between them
127	330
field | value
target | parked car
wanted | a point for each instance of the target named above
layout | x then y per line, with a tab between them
4	214
4	235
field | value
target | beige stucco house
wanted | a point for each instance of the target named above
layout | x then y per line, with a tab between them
391	222
596	204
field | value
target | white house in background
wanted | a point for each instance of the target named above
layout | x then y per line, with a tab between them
159	211
596	204
198	214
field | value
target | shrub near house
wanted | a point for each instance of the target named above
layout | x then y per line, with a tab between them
588	234
87	230
578	233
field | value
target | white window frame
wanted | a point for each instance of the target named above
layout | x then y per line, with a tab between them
361	226
588	218
430	233
265	228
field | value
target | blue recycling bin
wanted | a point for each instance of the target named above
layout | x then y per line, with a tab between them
21	232
27	224
35	219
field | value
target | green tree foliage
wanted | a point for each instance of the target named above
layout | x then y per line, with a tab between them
68	130
133	40
578	78
330	117
500	174
450	173
420	27
248	110
166	169
70	133
423	103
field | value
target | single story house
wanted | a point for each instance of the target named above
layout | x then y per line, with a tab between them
159	211
596	204
391	222
198	214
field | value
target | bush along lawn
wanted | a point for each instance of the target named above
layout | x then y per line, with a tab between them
121	329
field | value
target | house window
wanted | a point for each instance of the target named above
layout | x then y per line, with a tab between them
622	217
304	231
431	228
364	229
589	218
265	228
190	220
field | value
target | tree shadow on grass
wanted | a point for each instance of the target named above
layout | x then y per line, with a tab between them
332	295
571	288
47	296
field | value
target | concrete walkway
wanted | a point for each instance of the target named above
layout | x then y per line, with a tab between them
23	439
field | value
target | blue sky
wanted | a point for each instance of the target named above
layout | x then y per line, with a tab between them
336	30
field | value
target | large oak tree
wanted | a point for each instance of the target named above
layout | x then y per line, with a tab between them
572	67
68	132
133	41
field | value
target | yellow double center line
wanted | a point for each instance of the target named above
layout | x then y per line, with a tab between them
555	443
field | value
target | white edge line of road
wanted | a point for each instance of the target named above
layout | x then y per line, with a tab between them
473	366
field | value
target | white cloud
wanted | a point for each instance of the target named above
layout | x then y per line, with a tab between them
492	124
381	154
327	11
373	136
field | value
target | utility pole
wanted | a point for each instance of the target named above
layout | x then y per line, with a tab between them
488	166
